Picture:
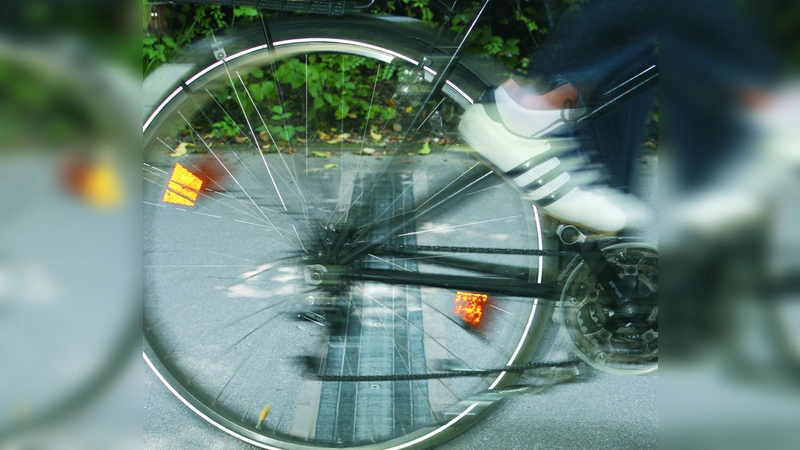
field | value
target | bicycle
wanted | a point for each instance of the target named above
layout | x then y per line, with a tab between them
307	298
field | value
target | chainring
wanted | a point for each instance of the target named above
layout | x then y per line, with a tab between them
605	340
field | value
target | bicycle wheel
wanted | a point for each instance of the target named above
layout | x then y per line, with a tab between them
244	318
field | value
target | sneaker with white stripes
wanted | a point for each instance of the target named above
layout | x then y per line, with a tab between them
550	173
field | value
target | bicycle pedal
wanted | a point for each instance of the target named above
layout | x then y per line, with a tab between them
570	234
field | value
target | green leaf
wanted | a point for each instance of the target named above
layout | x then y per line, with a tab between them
321	154
245	11
330	166
170	42
257	92
426	148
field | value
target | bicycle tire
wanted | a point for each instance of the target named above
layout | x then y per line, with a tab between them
191	342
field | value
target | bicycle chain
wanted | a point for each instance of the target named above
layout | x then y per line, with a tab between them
495	251
517	368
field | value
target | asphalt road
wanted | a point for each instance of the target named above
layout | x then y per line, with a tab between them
602	411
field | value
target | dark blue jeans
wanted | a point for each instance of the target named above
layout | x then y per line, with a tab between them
594	47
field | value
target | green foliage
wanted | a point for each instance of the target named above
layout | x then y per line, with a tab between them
509	36
419	9
339	87
225	128
177	26
280	127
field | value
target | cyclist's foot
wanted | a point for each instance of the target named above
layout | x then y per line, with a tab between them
528	114
550	173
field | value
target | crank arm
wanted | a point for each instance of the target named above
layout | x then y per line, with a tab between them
620	296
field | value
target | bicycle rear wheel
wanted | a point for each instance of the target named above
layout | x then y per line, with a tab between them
236	320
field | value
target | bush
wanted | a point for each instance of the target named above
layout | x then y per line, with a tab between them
176	26
509	33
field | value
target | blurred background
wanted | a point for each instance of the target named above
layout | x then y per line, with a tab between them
728	143
70	227
729	154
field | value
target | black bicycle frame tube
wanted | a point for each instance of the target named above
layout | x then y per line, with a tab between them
495	286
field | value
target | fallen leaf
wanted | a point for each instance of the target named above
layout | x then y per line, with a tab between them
426	148
409	108
330	166
367	150
181	149
375	136
321	154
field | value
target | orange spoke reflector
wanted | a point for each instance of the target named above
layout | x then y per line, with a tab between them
469	306
183	187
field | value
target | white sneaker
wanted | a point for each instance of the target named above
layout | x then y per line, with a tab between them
549	177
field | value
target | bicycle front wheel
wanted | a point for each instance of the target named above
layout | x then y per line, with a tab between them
241	319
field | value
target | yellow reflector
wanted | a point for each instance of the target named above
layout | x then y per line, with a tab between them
186	192
183	187
469	306
171	197
102	186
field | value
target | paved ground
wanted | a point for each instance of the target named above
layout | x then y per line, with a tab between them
604	411
608	412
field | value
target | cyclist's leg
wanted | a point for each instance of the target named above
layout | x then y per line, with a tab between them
503	132
591	50
594	46
617	138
